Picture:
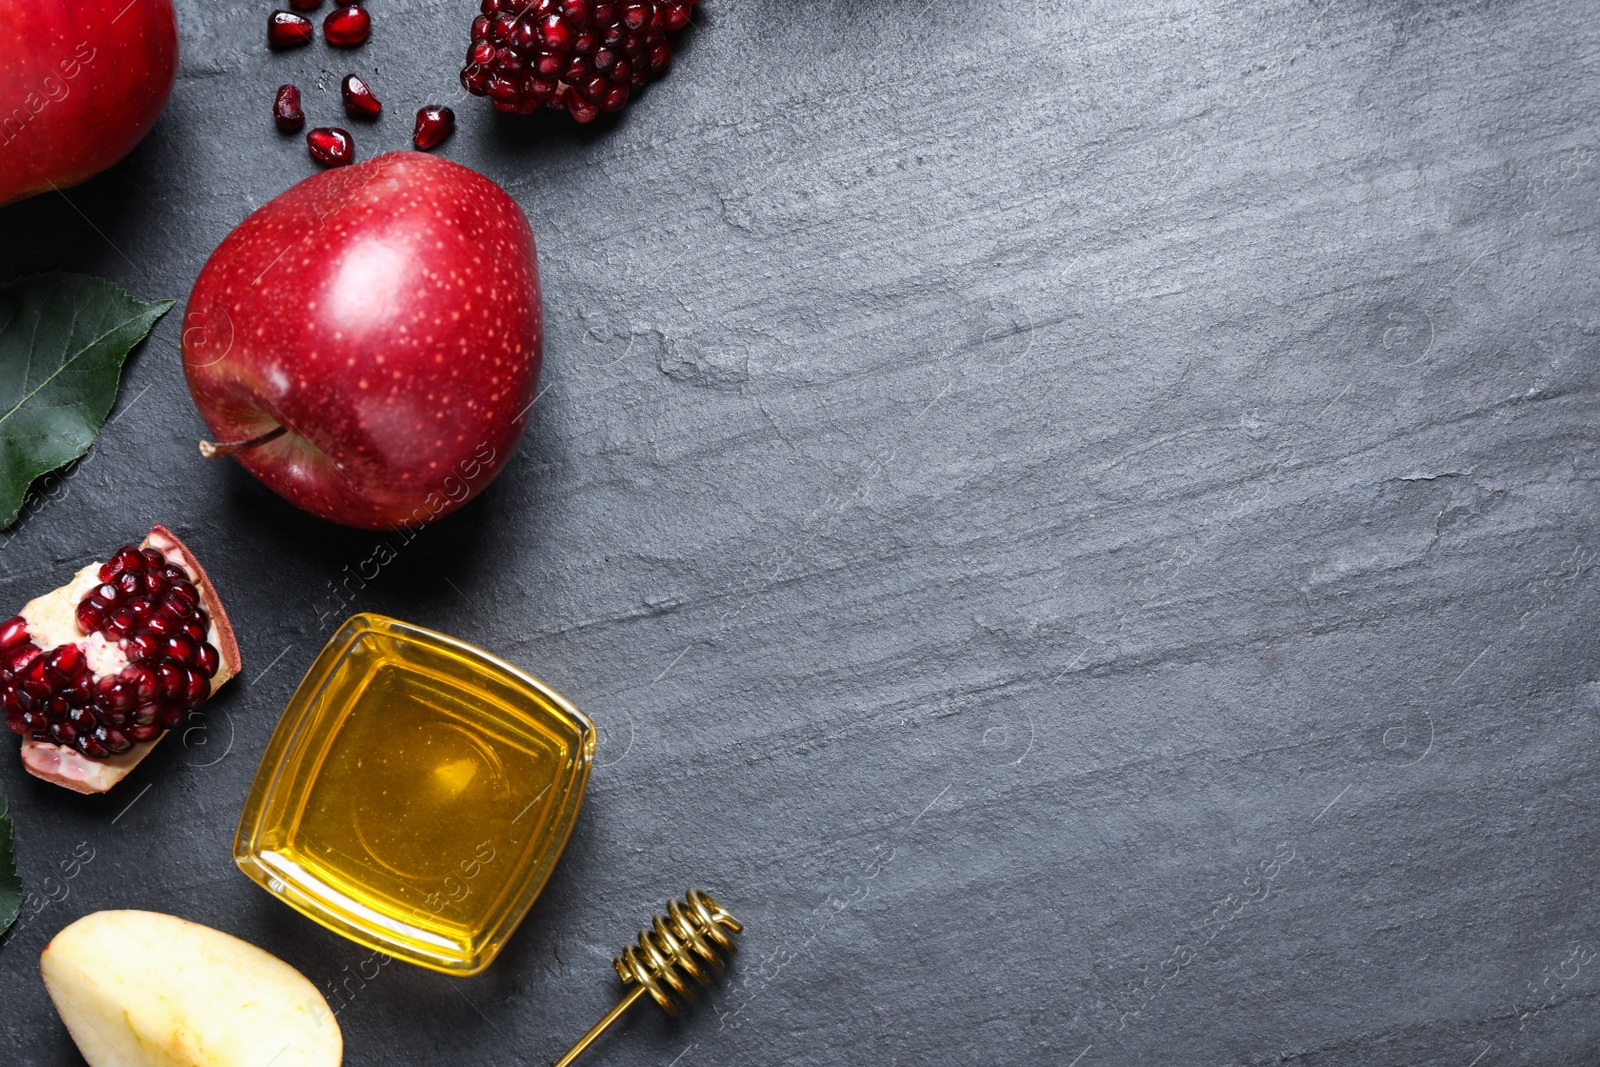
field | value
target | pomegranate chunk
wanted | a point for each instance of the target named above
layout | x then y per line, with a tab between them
93	673
434	124
581	56
286	109
331	146
359	99
285	29
347	26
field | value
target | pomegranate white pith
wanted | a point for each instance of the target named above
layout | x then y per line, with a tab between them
53	621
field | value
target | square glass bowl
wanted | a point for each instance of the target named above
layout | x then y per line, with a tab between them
415	795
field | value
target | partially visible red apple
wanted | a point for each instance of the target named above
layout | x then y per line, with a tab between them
81	83
368	343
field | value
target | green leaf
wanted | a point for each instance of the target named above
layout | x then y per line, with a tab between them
10	883
63	338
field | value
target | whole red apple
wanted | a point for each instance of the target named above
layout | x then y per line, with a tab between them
368	343
81	83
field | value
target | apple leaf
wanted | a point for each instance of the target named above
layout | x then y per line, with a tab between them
10	883
63	339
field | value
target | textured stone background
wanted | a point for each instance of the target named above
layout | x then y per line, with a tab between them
1077	522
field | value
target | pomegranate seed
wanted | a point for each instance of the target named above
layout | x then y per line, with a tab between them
330	146
359	99
141	732
347	26
126	558
13	633
207	660
153	558
285	29
286	109
434	124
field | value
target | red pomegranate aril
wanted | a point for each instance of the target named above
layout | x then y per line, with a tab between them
285	29
182	649
172	678
140	732
161	625
194	632
207	659
13	634
330	146
347	26
68	659
359	99
146	686
286	110
197	688
126	558
89	616
114	738
434	124
146	713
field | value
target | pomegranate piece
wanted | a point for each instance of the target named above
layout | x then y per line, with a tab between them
93	673
347	26
285	29
580	56
331	146
286	109
359	99
434	124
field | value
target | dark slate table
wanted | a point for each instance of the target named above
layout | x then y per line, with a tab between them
1076	521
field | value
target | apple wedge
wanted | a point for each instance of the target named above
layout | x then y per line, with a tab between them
141	989
93	674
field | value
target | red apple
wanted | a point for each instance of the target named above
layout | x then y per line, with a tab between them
82	82
368	343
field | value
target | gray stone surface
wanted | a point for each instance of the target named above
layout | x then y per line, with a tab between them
1077	521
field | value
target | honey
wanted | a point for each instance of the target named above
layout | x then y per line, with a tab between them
416	794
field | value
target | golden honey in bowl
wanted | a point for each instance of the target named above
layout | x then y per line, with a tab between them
416	794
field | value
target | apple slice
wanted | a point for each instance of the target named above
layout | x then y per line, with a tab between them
88	680
142	989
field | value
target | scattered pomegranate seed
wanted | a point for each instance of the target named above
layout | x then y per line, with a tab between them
434	124
359	99
286	109
347	26
285	29
582	56
331	146
55	696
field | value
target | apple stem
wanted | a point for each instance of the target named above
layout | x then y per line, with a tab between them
210	450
